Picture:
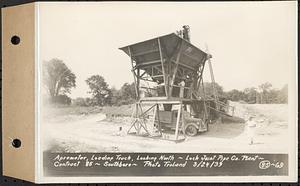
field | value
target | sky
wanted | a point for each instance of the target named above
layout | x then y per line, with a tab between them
251	42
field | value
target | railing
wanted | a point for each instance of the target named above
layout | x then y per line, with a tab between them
182	92
186	92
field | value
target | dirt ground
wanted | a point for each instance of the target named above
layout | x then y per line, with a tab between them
91	131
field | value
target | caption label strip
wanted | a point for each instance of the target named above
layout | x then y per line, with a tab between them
164	164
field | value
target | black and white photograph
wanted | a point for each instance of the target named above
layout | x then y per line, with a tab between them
197	91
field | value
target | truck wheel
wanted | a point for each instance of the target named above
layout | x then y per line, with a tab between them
191	130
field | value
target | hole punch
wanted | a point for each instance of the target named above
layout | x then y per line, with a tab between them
15	40
16	143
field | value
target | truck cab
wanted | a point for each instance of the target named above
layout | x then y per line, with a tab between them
192	121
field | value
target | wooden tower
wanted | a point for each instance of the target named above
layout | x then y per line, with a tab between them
167	72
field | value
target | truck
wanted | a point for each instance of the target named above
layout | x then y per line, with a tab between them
194	118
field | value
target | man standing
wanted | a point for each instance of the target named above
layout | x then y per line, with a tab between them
181	92
251	125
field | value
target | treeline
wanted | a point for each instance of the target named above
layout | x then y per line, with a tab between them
58	80
263	94
103	95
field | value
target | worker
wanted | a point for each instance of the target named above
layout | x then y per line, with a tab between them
251	125
181	92
185	32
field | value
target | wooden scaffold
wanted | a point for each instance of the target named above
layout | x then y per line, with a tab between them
173	102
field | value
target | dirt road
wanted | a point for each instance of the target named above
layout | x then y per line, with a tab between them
95	133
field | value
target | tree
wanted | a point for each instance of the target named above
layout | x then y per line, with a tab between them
208	88
282	96
58	78
235	95
125	95
116	96
128	91
99	89
250	95
265	88
273	96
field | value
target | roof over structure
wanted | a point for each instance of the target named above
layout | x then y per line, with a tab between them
147	52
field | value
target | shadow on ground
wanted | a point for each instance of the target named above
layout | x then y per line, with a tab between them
226	127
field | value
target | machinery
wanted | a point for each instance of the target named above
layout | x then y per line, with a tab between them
167	72
193	118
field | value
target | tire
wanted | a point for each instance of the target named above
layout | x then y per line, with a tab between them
191	130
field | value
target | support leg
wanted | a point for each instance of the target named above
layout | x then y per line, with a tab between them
183	126
177	122
158	120
132	125
154	116
143	117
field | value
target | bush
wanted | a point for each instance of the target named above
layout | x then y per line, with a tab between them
83	102
61	99
124	102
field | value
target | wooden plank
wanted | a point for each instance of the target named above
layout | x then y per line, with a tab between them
183	65
142	74
148	88
157	76
154	98
134	75
159	124
140	65
138	83
158	69
213	80
152	70
183	124
175	70
163	69
144	113
154	115
132	125
201	74
177	122
147	80
145	52
192	58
